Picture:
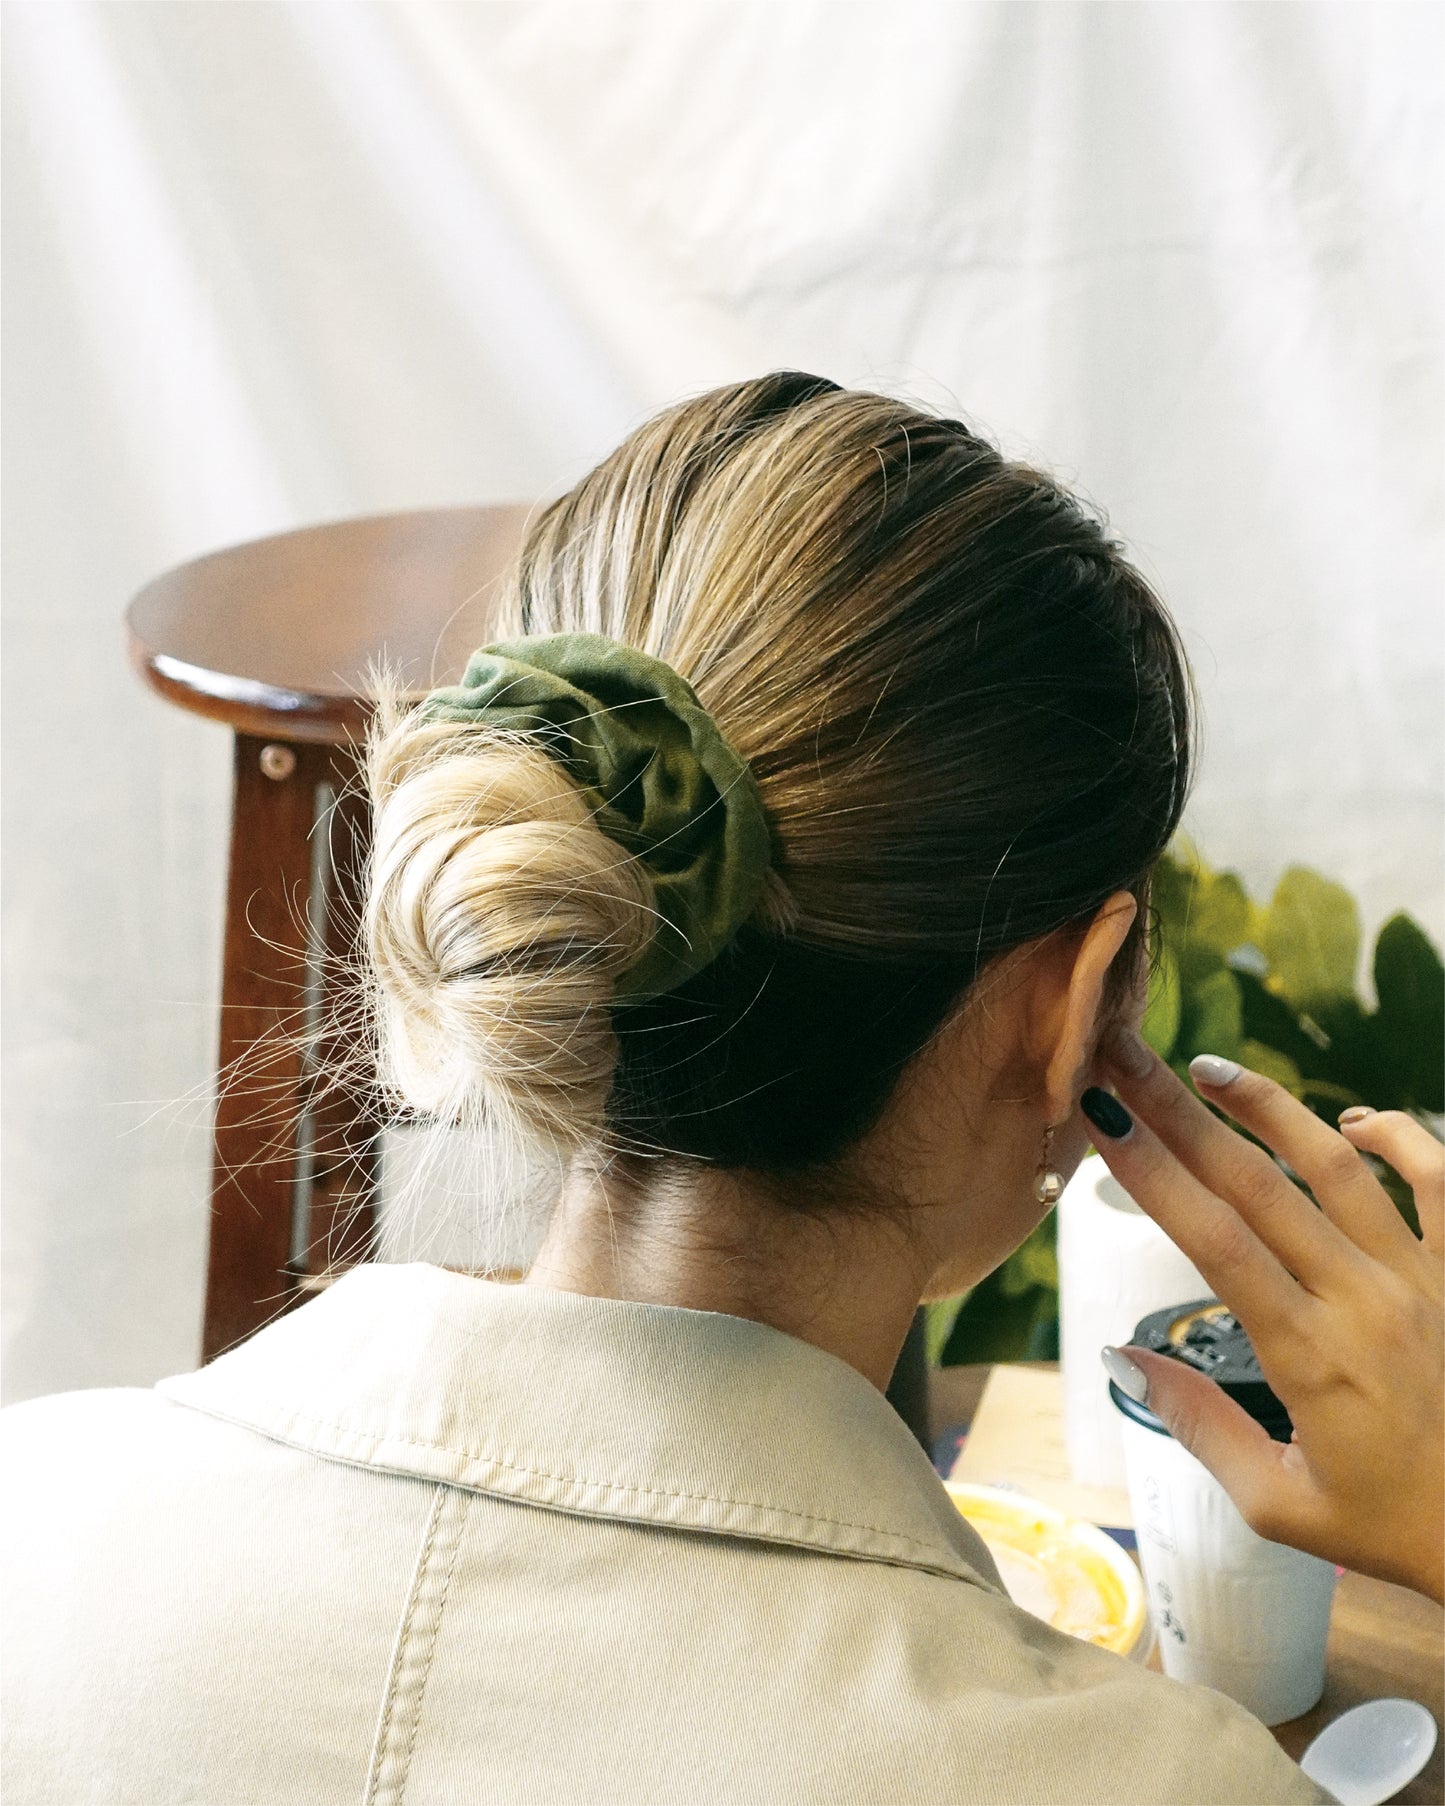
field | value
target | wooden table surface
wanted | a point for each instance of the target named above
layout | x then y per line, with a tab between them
1384	1640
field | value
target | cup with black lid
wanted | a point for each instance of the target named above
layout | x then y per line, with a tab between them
1230	1610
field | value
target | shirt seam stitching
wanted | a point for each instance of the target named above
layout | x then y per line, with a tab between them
383	1735
441	1607
394	1682
654	1492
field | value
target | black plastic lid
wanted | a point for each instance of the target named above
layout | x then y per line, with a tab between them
1207	1336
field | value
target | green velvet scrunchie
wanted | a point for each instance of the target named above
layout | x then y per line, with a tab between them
664	782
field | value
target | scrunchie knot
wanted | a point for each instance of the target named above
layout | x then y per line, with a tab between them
663	782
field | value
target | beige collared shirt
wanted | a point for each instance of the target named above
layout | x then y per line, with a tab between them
432	1541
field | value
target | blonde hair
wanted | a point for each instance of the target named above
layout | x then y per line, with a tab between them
498	918
931	658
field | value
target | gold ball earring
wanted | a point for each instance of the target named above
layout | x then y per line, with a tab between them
1048	1182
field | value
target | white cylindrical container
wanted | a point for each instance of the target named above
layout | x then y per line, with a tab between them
1115	1266
1230	1610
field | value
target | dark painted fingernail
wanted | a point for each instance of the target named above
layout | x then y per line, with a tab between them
1106	1113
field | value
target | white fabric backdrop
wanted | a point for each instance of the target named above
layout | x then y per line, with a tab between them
268	264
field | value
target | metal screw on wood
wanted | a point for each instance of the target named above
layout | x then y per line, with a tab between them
277	762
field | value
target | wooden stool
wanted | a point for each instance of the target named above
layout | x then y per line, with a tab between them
275	638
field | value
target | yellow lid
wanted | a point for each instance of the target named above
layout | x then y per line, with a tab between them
1059	1568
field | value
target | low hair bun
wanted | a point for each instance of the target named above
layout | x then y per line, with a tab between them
498	918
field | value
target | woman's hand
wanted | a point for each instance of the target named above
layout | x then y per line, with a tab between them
1342	1303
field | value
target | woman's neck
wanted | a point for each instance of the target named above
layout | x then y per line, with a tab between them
847	1283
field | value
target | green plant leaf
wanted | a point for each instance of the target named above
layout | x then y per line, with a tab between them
1044	1341
1273	1064
1171	891
1358	1057
1222	917
1327	1099
1213	1019
1268	1019
1035	1262
939	1317
1410	986
994	1326
1160	1027
1311	937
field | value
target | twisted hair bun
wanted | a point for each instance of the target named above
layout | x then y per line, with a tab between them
498	918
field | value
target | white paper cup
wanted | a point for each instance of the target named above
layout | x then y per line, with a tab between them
1229	1610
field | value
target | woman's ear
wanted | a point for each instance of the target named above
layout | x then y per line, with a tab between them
1075	1025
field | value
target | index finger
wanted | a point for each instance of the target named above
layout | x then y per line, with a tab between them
1235	1262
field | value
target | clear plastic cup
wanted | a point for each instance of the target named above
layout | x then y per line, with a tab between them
1229	1609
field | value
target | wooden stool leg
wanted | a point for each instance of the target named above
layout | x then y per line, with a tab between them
344	1134
263	998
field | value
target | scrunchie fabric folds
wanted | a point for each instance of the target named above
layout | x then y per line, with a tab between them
664	783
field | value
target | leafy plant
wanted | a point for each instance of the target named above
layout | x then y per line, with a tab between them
1272	986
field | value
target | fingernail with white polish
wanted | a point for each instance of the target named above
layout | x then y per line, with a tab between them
1209	1069
1125	1375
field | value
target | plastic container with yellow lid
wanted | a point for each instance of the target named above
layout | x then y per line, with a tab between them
1061	1569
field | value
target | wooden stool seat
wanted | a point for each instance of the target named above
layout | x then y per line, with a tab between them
275	638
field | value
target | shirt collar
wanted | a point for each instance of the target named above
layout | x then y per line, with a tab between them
689	1419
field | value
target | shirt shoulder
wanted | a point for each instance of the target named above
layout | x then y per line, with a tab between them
168	1581
1195	1746
1009	1708
59	1411
74	1432
95	1437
